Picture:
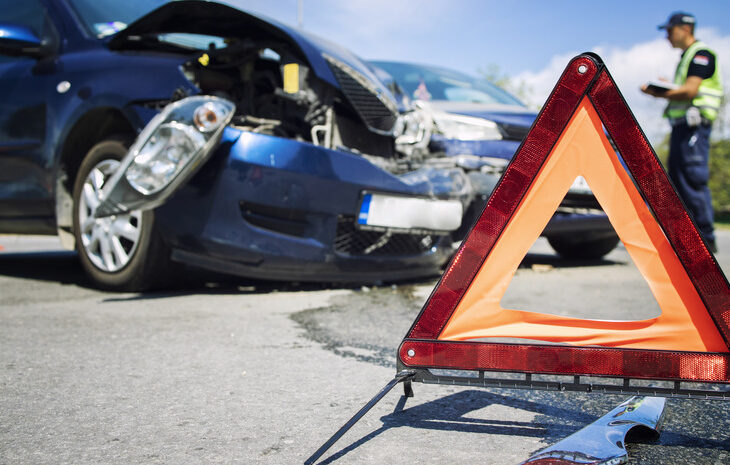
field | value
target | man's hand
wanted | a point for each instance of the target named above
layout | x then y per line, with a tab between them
686	91
649	90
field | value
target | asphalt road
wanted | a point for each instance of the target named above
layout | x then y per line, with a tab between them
234	371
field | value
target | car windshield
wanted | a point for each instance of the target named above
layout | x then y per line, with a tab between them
103	17
434	83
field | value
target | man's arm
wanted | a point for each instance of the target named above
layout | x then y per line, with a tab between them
686	91
701	67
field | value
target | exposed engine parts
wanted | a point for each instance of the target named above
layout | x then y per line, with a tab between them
275	93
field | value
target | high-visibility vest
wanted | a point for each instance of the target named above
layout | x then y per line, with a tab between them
710	94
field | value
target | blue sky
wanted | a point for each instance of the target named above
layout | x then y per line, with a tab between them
531	41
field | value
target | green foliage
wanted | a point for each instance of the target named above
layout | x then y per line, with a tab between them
662	150
493	74
720	175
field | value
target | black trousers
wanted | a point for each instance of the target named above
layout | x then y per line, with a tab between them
689	154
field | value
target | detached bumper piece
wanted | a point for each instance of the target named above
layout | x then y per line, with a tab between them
604	441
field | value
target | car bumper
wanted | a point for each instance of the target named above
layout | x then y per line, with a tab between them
275	208
562	224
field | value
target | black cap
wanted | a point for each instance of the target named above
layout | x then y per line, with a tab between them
678	18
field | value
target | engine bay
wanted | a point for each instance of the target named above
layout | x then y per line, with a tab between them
276	93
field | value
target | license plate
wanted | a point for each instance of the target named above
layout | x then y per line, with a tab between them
401	212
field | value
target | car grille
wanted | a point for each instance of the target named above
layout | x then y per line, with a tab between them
514	131
377	113
350	240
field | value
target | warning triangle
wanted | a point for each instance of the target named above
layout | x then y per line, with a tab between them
688	341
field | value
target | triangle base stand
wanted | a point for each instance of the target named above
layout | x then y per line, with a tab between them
568	383
404	377
408	376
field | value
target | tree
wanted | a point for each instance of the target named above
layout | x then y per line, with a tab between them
494	74
720	176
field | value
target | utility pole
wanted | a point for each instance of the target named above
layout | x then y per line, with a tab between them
300	14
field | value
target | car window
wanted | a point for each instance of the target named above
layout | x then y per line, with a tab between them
102	18
28	13
434	83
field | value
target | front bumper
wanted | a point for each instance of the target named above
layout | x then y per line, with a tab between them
570	220
274	208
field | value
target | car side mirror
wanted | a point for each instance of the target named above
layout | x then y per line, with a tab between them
17	40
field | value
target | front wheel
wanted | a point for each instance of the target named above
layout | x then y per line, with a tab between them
119	252
583	247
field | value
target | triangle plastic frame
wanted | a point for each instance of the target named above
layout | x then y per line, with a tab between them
424	352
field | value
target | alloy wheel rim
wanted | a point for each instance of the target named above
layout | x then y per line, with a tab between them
109	242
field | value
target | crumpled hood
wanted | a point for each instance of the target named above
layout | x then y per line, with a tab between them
216	19
511	115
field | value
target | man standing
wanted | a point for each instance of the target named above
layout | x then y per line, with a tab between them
694	102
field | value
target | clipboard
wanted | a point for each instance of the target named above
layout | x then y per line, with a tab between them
660	86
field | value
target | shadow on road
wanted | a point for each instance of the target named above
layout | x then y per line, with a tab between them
555	261
553	422
63	267
59	266
449	413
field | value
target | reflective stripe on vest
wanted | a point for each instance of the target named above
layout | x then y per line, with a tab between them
710	94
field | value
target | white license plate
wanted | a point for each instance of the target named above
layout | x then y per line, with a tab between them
392	211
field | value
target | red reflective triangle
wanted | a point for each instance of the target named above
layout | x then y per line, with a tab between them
689	341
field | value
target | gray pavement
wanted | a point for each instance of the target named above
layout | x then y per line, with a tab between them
236	371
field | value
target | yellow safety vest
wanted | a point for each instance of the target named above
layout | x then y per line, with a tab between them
709	97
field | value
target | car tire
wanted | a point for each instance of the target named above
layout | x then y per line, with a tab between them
120	252
582	247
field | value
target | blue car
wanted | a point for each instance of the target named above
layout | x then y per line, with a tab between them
482	126
149	134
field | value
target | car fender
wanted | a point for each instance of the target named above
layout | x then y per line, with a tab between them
118	85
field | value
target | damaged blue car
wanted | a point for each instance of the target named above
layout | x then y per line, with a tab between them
148	134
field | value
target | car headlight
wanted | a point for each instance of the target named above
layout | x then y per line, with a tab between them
413	132
167	152
167	146
163	156
466	127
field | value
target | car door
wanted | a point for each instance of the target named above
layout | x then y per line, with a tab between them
26	173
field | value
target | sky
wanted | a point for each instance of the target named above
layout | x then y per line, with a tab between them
528	40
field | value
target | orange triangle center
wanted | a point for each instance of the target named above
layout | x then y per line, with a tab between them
584	150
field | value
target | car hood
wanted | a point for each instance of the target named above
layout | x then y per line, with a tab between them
216	19
509	115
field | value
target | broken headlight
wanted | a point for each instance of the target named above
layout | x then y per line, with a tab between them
174	139
413	132
163	156
167	152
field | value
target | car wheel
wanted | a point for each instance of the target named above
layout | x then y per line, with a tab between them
583	247
119	252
